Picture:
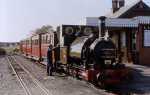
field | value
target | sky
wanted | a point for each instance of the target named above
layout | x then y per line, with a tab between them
19	17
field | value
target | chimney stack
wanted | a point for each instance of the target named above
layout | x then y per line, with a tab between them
117	4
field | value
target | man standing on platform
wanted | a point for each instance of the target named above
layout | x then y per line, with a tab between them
49	61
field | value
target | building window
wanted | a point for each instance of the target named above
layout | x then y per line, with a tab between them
146	38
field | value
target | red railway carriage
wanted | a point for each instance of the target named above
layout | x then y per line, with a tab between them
28	47
21	43
46	40
40	43
36	46
23	47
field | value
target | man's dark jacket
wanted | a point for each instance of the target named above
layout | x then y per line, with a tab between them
49	56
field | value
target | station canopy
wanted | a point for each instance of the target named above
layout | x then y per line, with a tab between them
127	23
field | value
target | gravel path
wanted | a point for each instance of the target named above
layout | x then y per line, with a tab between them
9	85
59	85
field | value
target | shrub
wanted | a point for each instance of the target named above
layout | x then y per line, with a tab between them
16	50
2	51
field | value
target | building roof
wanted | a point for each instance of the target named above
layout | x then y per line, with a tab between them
115	22
122	10
120	22
143	19
93	21
127	23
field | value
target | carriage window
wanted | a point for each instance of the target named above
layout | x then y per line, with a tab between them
46	38
37	42
42	39
147	38
50	39
34	42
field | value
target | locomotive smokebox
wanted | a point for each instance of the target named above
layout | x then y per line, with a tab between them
105	52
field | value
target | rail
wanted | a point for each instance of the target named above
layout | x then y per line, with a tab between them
12	61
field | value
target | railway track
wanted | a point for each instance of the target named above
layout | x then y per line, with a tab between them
28	82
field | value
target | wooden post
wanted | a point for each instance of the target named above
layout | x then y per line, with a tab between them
119	47
129	42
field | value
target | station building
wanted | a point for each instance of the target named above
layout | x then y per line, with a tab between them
129	27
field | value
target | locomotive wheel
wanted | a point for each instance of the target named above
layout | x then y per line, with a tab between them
68	69
100	80
74	73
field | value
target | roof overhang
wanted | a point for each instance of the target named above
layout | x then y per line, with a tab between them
127	23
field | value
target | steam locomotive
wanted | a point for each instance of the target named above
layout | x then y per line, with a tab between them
85	53
96	60
93	59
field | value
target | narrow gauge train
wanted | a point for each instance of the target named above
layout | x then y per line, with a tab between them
82	53
36	46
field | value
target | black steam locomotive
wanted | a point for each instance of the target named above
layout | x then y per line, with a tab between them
90	56
96	60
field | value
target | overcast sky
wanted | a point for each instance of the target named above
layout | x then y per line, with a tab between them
19	17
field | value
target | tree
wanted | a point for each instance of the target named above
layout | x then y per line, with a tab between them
44	29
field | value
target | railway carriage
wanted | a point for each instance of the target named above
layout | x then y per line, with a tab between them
36	47
46	40
23	47
28	47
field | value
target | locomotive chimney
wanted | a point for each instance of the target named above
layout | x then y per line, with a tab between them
102	26
117	4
